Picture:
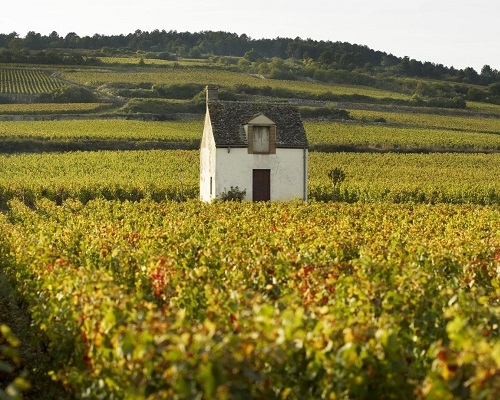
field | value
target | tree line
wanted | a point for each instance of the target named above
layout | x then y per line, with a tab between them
330	55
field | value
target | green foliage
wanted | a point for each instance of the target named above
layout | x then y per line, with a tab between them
336	176
494	89
9	359
165	55
253	55
324	112
163	108
467	365
177	91
242	300
455	102
68	94
233	194
348	77
27	81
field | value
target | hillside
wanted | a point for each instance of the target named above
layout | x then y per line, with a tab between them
155	109
392	114
279	58
117	282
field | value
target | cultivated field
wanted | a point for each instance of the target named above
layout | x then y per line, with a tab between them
279	300
174	174
207	76
130	288
48	108
460	135
352	136
27	81
102	129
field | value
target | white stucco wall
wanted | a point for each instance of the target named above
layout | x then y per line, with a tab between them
234	168
207	161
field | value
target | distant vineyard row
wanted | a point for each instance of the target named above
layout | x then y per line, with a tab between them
162	175
48	108
467	123
321	135
103	129
27	81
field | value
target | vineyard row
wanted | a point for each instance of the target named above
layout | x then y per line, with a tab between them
27	81
277	300
174	174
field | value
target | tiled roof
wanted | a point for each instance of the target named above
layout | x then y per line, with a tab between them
228	118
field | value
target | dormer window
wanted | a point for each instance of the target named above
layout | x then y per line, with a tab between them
261	135
261	139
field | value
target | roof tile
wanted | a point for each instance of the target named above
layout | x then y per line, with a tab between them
229	117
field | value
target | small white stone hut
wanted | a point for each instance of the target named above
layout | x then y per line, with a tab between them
258	147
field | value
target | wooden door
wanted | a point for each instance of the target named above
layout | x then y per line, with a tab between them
261	187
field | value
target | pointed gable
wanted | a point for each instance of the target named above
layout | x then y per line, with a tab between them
260	119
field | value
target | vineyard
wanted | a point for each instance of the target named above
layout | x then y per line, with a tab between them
322	135
187	62
50	108
352	136
27	81
230	300
103	129
207	76
174	175
466	123
133	289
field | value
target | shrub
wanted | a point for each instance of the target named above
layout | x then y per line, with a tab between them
68	94
234	194
328	112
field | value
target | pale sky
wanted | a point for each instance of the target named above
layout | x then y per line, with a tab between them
455	33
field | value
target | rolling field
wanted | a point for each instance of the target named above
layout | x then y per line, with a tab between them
326	136
134	289
207	76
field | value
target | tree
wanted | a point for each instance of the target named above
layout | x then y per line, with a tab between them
17	44
33	41
494	89
337	176
470	75
487	74
253	55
